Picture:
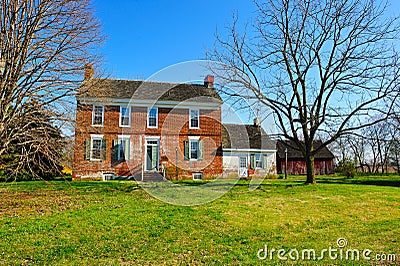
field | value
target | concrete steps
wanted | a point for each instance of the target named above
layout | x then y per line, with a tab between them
153	177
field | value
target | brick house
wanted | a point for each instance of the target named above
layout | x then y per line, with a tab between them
132	128
323	161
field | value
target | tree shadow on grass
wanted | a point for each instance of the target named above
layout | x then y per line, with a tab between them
356	181
244	183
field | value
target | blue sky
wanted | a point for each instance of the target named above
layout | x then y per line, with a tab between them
145	36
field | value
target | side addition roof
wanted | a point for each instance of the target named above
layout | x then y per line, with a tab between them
236	136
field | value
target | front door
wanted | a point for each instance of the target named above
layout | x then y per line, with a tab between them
242	166
152	155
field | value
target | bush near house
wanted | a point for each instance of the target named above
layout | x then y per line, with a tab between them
347	167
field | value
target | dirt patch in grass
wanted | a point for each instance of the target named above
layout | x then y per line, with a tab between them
37	202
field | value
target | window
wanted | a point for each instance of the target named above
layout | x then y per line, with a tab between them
193	149
96	148
242	162
197	176
152	120
256	161
108	176
98	115
194	118
259	162
123	148
124	116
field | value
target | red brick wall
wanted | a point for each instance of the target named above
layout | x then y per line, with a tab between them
173	127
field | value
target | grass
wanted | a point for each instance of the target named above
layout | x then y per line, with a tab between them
114	223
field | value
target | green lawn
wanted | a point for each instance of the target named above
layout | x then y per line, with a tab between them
113	223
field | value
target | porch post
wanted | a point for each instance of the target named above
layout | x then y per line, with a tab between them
176	163
286	164
143	142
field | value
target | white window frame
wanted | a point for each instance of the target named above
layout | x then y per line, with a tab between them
190	118
148	117
102	115
261	161
92	138
129	115
197	173
120	139
194	139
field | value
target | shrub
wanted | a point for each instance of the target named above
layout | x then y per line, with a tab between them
347	167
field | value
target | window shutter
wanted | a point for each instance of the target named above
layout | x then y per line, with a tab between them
87	149
104	149
252	161
265	164
186	149
126	150
201	150
115	150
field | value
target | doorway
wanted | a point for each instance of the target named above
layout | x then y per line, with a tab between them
152	154
243	168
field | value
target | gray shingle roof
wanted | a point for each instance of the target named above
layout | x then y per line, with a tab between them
235	136
126	89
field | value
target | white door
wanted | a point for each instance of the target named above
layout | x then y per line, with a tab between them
242	166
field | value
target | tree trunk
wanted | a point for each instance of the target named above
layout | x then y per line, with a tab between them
310	169
398	166
369	168
360	161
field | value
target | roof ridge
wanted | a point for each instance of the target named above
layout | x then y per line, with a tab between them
232	124
148	81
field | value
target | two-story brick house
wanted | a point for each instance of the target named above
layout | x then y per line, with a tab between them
130	128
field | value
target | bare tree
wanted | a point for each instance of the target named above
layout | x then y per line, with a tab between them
395	153
317	64
357	145
44	45
395	135
382	133
36	153
341	149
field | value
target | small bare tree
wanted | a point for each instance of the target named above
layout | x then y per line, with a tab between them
321	66
358	145
381	139
44	46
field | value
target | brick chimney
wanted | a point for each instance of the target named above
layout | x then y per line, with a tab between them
89	71
209	81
